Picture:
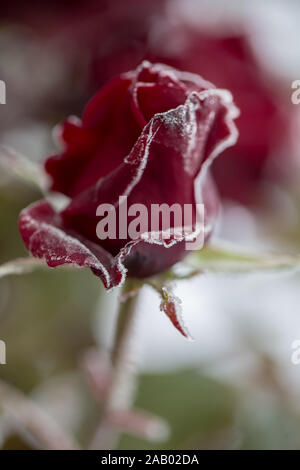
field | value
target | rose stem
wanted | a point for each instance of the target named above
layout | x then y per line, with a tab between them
121	391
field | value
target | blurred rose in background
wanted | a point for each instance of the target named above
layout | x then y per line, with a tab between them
235	387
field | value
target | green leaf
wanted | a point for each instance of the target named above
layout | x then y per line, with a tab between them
197	408
20	266
226	258
22	168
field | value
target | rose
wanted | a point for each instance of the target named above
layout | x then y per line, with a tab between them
150	134
228	60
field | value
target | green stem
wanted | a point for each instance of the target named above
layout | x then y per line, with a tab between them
125	322
122	388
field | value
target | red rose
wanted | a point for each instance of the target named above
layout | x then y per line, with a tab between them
228	60
150	134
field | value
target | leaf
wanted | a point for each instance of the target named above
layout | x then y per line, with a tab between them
20	266
197	408
171	306
228	258
19	166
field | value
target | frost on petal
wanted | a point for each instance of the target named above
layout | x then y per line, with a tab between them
149	136
171	306
46	237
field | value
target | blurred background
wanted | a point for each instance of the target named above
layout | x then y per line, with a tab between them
235	386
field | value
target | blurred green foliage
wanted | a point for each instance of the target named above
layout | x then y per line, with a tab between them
196	407
44	316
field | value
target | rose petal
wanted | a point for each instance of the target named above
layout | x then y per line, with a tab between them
99	144
45	237
163	166
168	164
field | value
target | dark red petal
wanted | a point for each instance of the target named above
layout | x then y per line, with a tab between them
169	164
147	73
158	88
230	62
95	147
65	168
144	259
102	105
155	89
45	237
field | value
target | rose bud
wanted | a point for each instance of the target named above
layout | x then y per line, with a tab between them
229	61
149	135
